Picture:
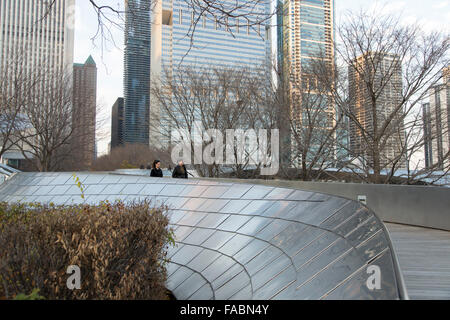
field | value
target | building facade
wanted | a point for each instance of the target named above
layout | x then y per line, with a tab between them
437	120
306	36
117	123
36	42
389	97
215	44
137	71
84	113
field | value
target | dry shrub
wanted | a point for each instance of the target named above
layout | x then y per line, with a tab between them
121	250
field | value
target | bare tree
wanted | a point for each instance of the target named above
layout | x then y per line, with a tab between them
306	107
48	119
15	86
383	71
198	98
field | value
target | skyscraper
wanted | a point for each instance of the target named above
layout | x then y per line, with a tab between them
306	35
388	73
437	120
214	44
84	113
117	123
36	42
428	153
137	71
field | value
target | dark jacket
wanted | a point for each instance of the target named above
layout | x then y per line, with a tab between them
180	172
156	173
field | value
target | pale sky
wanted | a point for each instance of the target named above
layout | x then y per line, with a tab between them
431	14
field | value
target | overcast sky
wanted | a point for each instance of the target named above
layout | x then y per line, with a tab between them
431	14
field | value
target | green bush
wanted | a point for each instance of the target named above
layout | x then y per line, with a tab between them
120	249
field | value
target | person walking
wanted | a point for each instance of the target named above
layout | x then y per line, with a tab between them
180	171
156	170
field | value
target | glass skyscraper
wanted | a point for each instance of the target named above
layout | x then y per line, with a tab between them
213	44
305	33
137	71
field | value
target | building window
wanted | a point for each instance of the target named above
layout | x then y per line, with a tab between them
181	16
192	18
237	25
204	21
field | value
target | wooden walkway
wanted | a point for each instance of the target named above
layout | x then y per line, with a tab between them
424	257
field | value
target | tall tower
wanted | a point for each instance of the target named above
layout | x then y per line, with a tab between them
305	35
214	45
439	123
137	71
84	113
36	36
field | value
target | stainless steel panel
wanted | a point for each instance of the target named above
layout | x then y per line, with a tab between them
275	284
204	293
279	209
235	244
182	232
236	191
235	206
171	190
203	260
323	260
229	274
218	239
330	277
264	258
257	192
212	220
113	189
198	236
233	286
217	268
257	207
279	194
254	225
193	191
178	277
250	251
152	189
193	204
214	192
212	205
191	218
133	189
300	195
272	229
233	223
187	254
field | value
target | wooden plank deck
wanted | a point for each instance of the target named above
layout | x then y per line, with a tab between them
424	258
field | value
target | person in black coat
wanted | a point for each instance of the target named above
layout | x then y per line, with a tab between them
180	171
156	171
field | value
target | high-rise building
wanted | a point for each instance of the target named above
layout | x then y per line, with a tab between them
35	41
36	36
117	123
306	35
232	43
84	113
137	71
388	99
437	120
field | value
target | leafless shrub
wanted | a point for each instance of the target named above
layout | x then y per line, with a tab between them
120	250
